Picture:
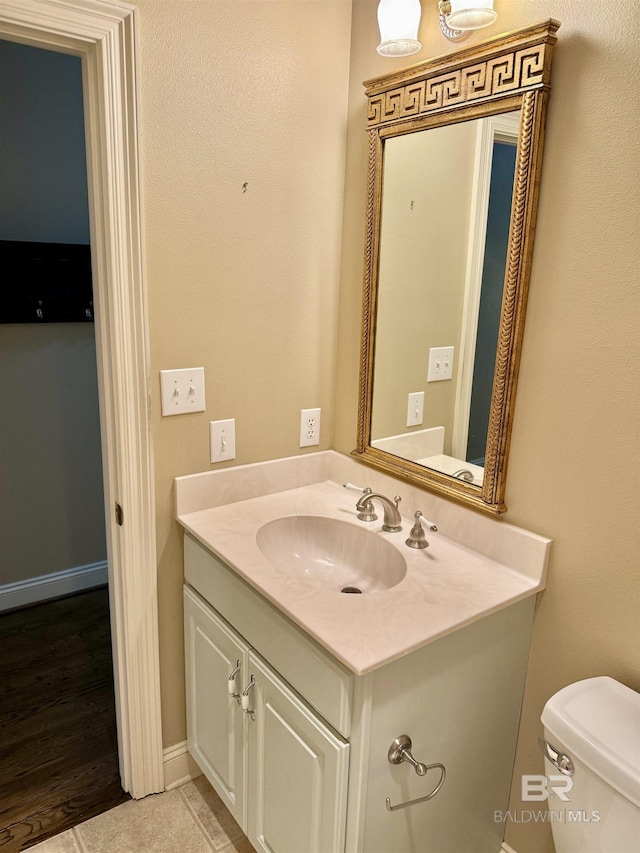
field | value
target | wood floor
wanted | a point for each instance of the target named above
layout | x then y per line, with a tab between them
58	751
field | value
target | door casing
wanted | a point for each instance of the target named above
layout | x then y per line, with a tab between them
104	35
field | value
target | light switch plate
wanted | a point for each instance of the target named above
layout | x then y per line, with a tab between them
182	390
222	438
415	408
440	363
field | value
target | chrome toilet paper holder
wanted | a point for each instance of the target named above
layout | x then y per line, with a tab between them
399	751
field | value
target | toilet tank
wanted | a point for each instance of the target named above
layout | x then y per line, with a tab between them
596	724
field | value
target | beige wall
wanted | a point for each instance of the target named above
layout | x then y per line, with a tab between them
246	284
242	283
573	472
425	223
51	493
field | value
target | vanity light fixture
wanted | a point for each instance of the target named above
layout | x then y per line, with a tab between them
459	17
398	21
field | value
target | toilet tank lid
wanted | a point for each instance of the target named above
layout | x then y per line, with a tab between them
598	721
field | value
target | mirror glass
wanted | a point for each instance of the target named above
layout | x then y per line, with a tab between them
446	198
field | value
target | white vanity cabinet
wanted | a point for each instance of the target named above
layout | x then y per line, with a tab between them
277	765
310	774
297	772
216	724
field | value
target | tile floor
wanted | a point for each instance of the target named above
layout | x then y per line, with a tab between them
190	818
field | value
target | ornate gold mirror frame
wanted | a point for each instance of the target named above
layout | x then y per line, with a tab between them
508	73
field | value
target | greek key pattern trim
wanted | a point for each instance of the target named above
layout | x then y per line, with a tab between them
507	74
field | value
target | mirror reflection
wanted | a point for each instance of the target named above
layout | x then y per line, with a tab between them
444	233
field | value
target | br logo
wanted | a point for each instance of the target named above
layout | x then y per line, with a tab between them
537	788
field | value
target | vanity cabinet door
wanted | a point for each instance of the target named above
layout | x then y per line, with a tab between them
298	772
216	726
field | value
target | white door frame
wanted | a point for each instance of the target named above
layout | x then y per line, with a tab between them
503	127
103	34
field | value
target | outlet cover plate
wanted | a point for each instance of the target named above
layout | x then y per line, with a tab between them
309	427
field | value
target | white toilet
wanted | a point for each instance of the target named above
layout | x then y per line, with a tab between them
592	737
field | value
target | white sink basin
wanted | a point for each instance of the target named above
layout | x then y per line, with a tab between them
330	553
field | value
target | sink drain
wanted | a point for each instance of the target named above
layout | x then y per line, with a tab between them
352	589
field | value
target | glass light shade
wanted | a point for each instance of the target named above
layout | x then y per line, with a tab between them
470	14
398	21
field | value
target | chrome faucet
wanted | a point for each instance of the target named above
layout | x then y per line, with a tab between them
464	474
392	521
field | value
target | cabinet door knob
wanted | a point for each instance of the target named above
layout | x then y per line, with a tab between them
231	682
244	699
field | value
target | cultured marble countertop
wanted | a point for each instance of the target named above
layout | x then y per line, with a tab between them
447	585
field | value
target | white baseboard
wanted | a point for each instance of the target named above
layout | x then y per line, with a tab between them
179	766
44	587
506	849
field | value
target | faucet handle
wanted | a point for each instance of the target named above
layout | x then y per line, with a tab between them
417	539
367	513
428	524
355	488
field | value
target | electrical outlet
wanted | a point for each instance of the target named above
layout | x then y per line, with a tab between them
182	390
415	408
222	439
440	364
309	427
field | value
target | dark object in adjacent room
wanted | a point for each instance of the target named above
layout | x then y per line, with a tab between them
45	282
